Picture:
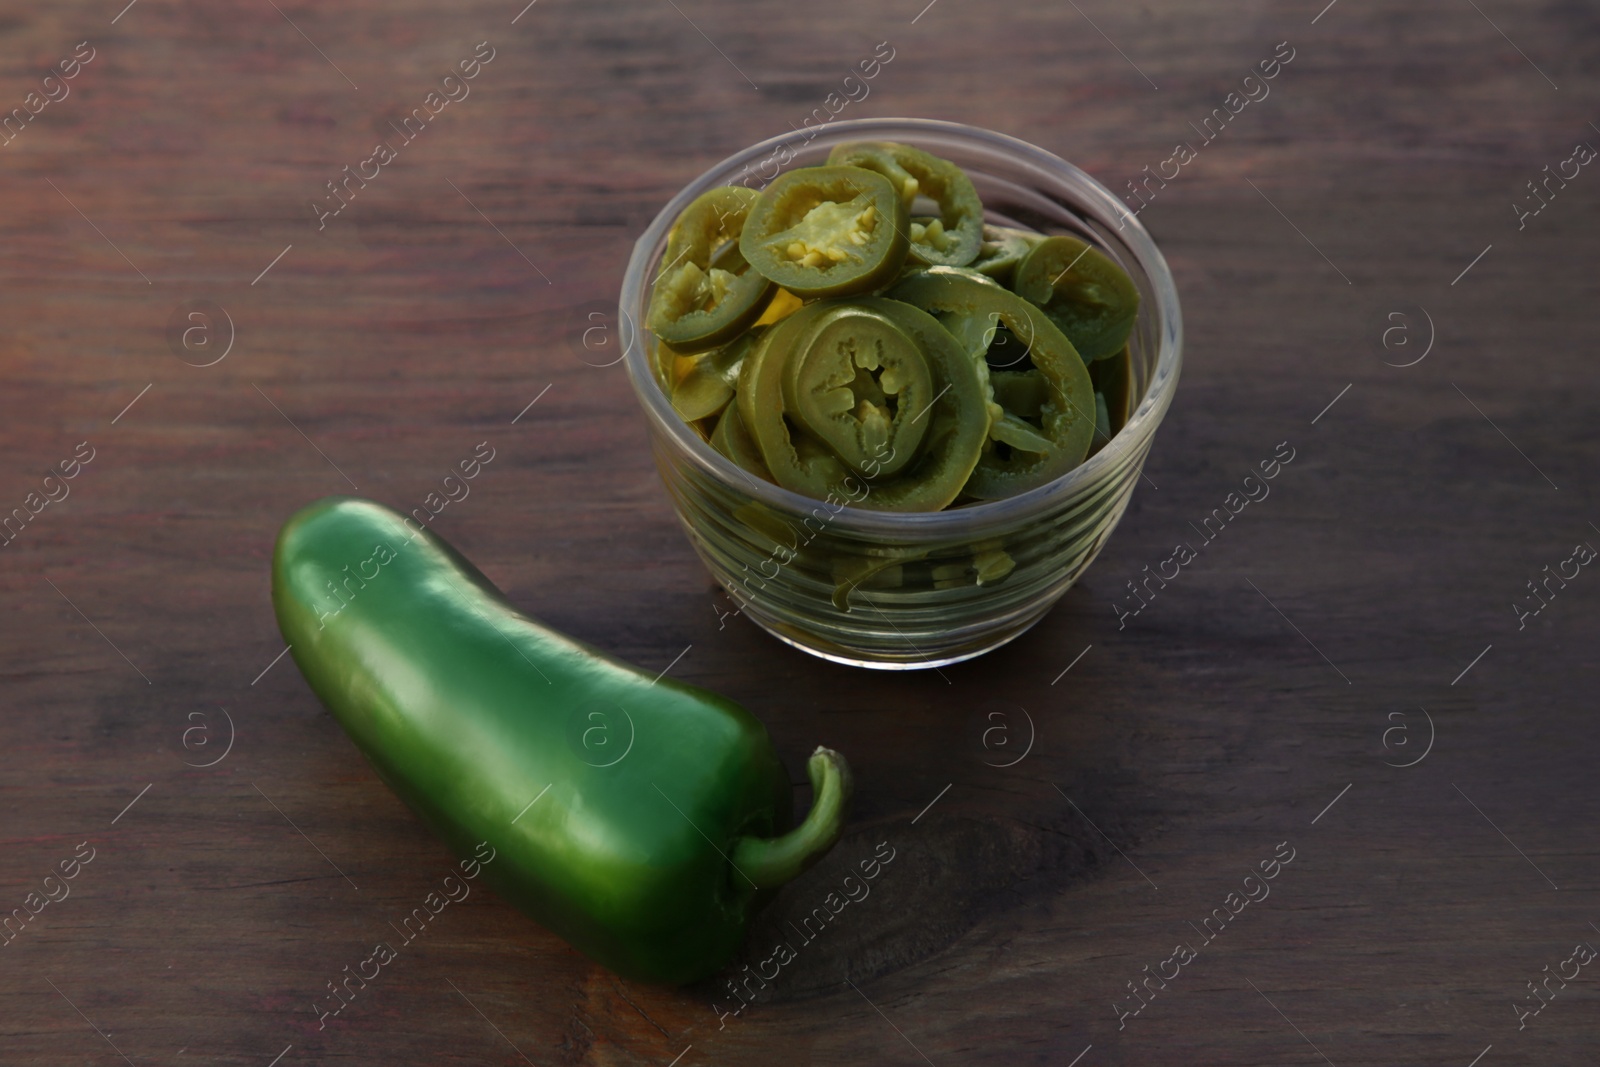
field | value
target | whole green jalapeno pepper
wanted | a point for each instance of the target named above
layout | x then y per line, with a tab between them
641	819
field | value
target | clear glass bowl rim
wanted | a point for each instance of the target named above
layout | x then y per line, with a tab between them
1100	204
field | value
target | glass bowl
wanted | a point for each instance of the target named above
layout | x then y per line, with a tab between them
904	590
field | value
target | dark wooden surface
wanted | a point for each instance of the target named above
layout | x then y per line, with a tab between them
1174	755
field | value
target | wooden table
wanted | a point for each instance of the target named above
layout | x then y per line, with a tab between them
1360	618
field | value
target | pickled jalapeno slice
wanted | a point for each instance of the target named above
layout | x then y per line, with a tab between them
827	231
706	293
733	440
859	326
1102	424
1111	377
1002	249
954	237
1022	453
1090	298
707	384
868	389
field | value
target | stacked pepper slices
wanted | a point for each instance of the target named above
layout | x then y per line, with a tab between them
859	321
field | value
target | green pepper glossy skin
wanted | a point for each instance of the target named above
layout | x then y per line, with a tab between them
633	817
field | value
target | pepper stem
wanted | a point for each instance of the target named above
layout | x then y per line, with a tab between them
770	862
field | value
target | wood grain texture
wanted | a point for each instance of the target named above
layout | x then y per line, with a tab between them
1174	755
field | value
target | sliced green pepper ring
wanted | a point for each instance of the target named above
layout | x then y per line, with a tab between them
733	440
705	293
1111	377
1089	297
1003	248
708	386
1102	424
955	238
1021	455
827	231
869	391
855	385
